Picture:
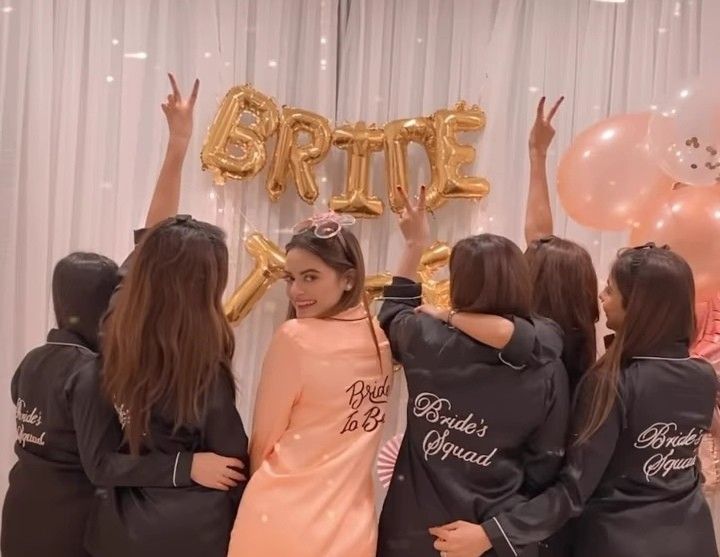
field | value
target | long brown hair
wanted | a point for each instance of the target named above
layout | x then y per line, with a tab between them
167	339
488	274
343	254
565	289
658	294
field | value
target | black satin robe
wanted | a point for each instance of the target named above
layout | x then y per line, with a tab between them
635	484
182	521
60	456
484	430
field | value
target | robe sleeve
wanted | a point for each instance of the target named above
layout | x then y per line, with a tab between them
224	432
538	518
403	327
546	448
279	390
99	437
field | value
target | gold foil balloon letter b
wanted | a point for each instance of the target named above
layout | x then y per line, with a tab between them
234	149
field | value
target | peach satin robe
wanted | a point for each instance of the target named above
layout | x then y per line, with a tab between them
319	413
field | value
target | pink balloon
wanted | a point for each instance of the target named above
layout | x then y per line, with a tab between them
607	176
684	134
707	344
688	220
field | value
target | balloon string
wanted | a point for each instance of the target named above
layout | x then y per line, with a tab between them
248	222
221	206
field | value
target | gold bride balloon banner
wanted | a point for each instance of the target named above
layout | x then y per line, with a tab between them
235	149
269	267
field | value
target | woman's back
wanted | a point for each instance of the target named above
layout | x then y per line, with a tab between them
342	391
47	485
167	352
631	470
185	519
481	435
668	407
319	414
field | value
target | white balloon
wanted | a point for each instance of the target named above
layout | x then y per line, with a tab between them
684	134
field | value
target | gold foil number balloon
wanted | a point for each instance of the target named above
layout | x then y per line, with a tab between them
232	148
270	267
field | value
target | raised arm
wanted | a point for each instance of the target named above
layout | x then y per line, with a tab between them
179	114
538	216
397	314
492	330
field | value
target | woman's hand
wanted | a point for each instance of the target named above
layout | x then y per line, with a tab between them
461	539
542	132
413	220
179	111
216	472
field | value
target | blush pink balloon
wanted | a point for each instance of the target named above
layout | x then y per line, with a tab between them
607	176
688	220
707	344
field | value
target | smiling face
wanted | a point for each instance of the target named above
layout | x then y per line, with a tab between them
612	304
313	287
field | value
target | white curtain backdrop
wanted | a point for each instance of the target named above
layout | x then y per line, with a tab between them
82	134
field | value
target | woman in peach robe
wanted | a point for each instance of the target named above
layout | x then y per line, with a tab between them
319	410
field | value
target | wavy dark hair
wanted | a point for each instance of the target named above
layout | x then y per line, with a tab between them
565	289
167	339
658	294
343	254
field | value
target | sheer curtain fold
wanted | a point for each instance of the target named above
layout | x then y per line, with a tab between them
82	134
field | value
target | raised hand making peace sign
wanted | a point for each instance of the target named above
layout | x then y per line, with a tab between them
413	219
542	132
179	111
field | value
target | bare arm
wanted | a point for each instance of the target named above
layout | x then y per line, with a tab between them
492	330
179	114
538	216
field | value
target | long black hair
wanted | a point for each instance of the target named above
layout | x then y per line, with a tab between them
82	284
